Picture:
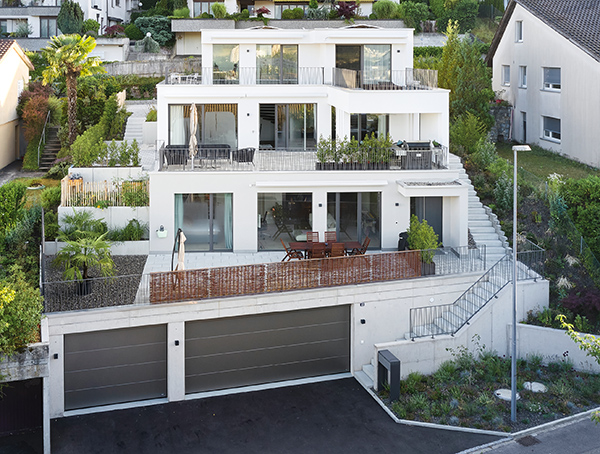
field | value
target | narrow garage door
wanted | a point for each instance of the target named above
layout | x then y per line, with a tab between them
240	351
114	366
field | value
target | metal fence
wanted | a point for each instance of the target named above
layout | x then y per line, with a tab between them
77	193
403	79
248	76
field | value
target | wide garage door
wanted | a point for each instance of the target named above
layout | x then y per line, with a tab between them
114	366
240	351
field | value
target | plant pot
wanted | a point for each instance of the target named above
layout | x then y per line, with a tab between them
83	288
427	269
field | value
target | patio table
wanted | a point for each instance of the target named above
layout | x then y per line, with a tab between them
307	246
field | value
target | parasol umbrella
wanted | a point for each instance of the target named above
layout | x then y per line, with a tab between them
193	129
181	253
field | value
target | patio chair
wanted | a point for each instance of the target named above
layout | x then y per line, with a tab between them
281	228
363	249
243	155
337	250
318	251
291	253
312	237
330	237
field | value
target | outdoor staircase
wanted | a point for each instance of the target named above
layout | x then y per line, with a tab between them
133	129
51	149
483	224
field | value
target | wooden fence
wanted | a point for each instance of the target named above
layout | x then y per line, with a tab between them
76	193
282	276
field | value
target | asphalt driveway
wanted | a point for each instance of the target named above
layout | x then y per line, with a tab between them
329	417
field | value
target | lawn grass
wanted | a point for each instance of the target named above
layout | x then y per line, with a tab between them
542	162
33	195
461	392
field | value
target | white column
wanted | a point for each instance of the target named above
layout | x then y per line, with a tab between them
176	361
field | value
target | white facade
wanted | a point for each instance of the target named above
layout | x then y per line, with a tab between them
557	114
406	114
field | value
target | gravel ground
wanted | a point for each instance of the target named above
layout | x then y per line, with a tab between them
68	296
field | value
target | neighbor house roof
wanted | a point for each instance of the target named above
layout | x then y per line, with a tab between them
576	20
7	44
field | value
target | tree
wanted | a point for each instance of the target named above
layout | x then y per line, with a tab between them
70	17
67	56
447	73
588	343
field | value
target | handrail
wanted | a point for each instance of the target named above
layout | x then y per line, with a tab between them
43	137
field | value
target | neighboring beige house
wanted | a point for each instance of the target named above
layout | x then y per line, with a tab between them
14	74
546	63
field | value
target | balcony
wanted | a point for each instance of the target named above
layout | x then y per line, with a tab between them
220	159
29	3
406	79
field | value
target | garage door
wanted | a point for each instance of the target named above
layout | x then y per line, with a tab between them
115	366
240	351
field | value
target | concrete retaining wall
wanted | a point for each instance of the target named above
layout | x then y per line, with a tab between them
32	362
156	68
124	248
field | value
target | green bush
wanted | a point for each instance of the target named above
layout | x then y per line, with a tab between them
20	312
484	154
503	192
135	194
12	202
50	198
90	25
88	147
465	132
158	26
30	160
181	13
413	13
113	119
133	231
51	225
219	10
70	17
133	33
422	237
385	9
152	114
298	13
322	13
429	51
465	12
438	9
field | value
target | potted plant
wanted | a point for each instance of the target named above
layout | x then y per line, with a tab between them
86	248
421	236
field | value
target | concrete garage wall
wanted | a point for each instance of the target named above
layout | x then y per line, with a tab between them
385	309
492	324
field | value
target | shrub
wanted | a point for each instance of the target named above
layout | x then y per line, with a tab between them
90	25
88	147
413	13
503	192
12	201
34	89
34	117
60	168
385	9
50	198
20	312
298	13
429	51
133	231
135	194
287	14
158	26
484	154
182	13
219	10
321	13
421	236
51	226
347	10
114	31
23	29
465	13
465	132
133	33
152	114
70	17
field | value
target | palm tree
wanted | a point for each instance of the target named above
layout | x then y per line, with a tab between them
67	56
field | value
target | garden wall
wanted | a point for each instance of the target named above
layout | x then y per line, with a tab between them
123	248
115	217
32	362
502	129
551	344
107	173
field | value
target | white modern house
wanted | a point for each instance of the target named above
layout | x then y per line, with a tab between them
238	171
546	63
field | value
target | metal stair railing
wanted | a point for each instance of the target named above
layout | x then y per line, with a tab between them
42	138
450	318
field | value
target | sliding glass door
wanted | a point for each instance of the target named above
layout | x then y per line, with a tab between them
355	216
206	220
217	124
287	126
277	64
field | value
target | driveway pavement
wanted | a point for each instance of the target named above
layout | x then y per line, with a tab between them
329	417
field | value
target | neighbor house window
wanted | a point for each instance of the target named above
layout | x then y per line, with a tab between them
505	75
551	128
519	31
203	7
47	27
552	79
3	28
523	76
281	7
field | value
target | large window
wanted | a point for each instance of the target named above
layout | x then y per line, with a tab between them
277	64
281	7
226	58
374	60
362	125
519	31
552	79
355	216
206	221
287	126
283	216
47	27
505	75
551	129
217	124
3	28
203	7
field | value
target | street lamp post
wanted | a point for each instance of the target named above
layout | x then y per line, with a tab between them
513	362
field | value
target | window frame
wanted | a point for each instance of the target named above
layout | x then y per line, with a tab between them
550	134
522	76
519	31
47	21
505	81
549	86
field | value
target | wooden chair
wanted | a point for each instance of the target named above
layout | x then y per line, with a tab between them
363	249
312	237
290	253
337	250
317	251
330	237
281	228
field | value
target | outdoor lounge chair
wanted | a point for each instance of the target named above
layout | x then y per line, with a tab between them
290	253
363	249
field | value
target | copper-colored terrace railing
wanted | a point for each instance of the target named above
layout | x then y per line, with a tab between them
282	276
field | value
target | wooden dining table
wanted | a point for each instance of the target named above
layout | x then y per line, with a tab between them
307	246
